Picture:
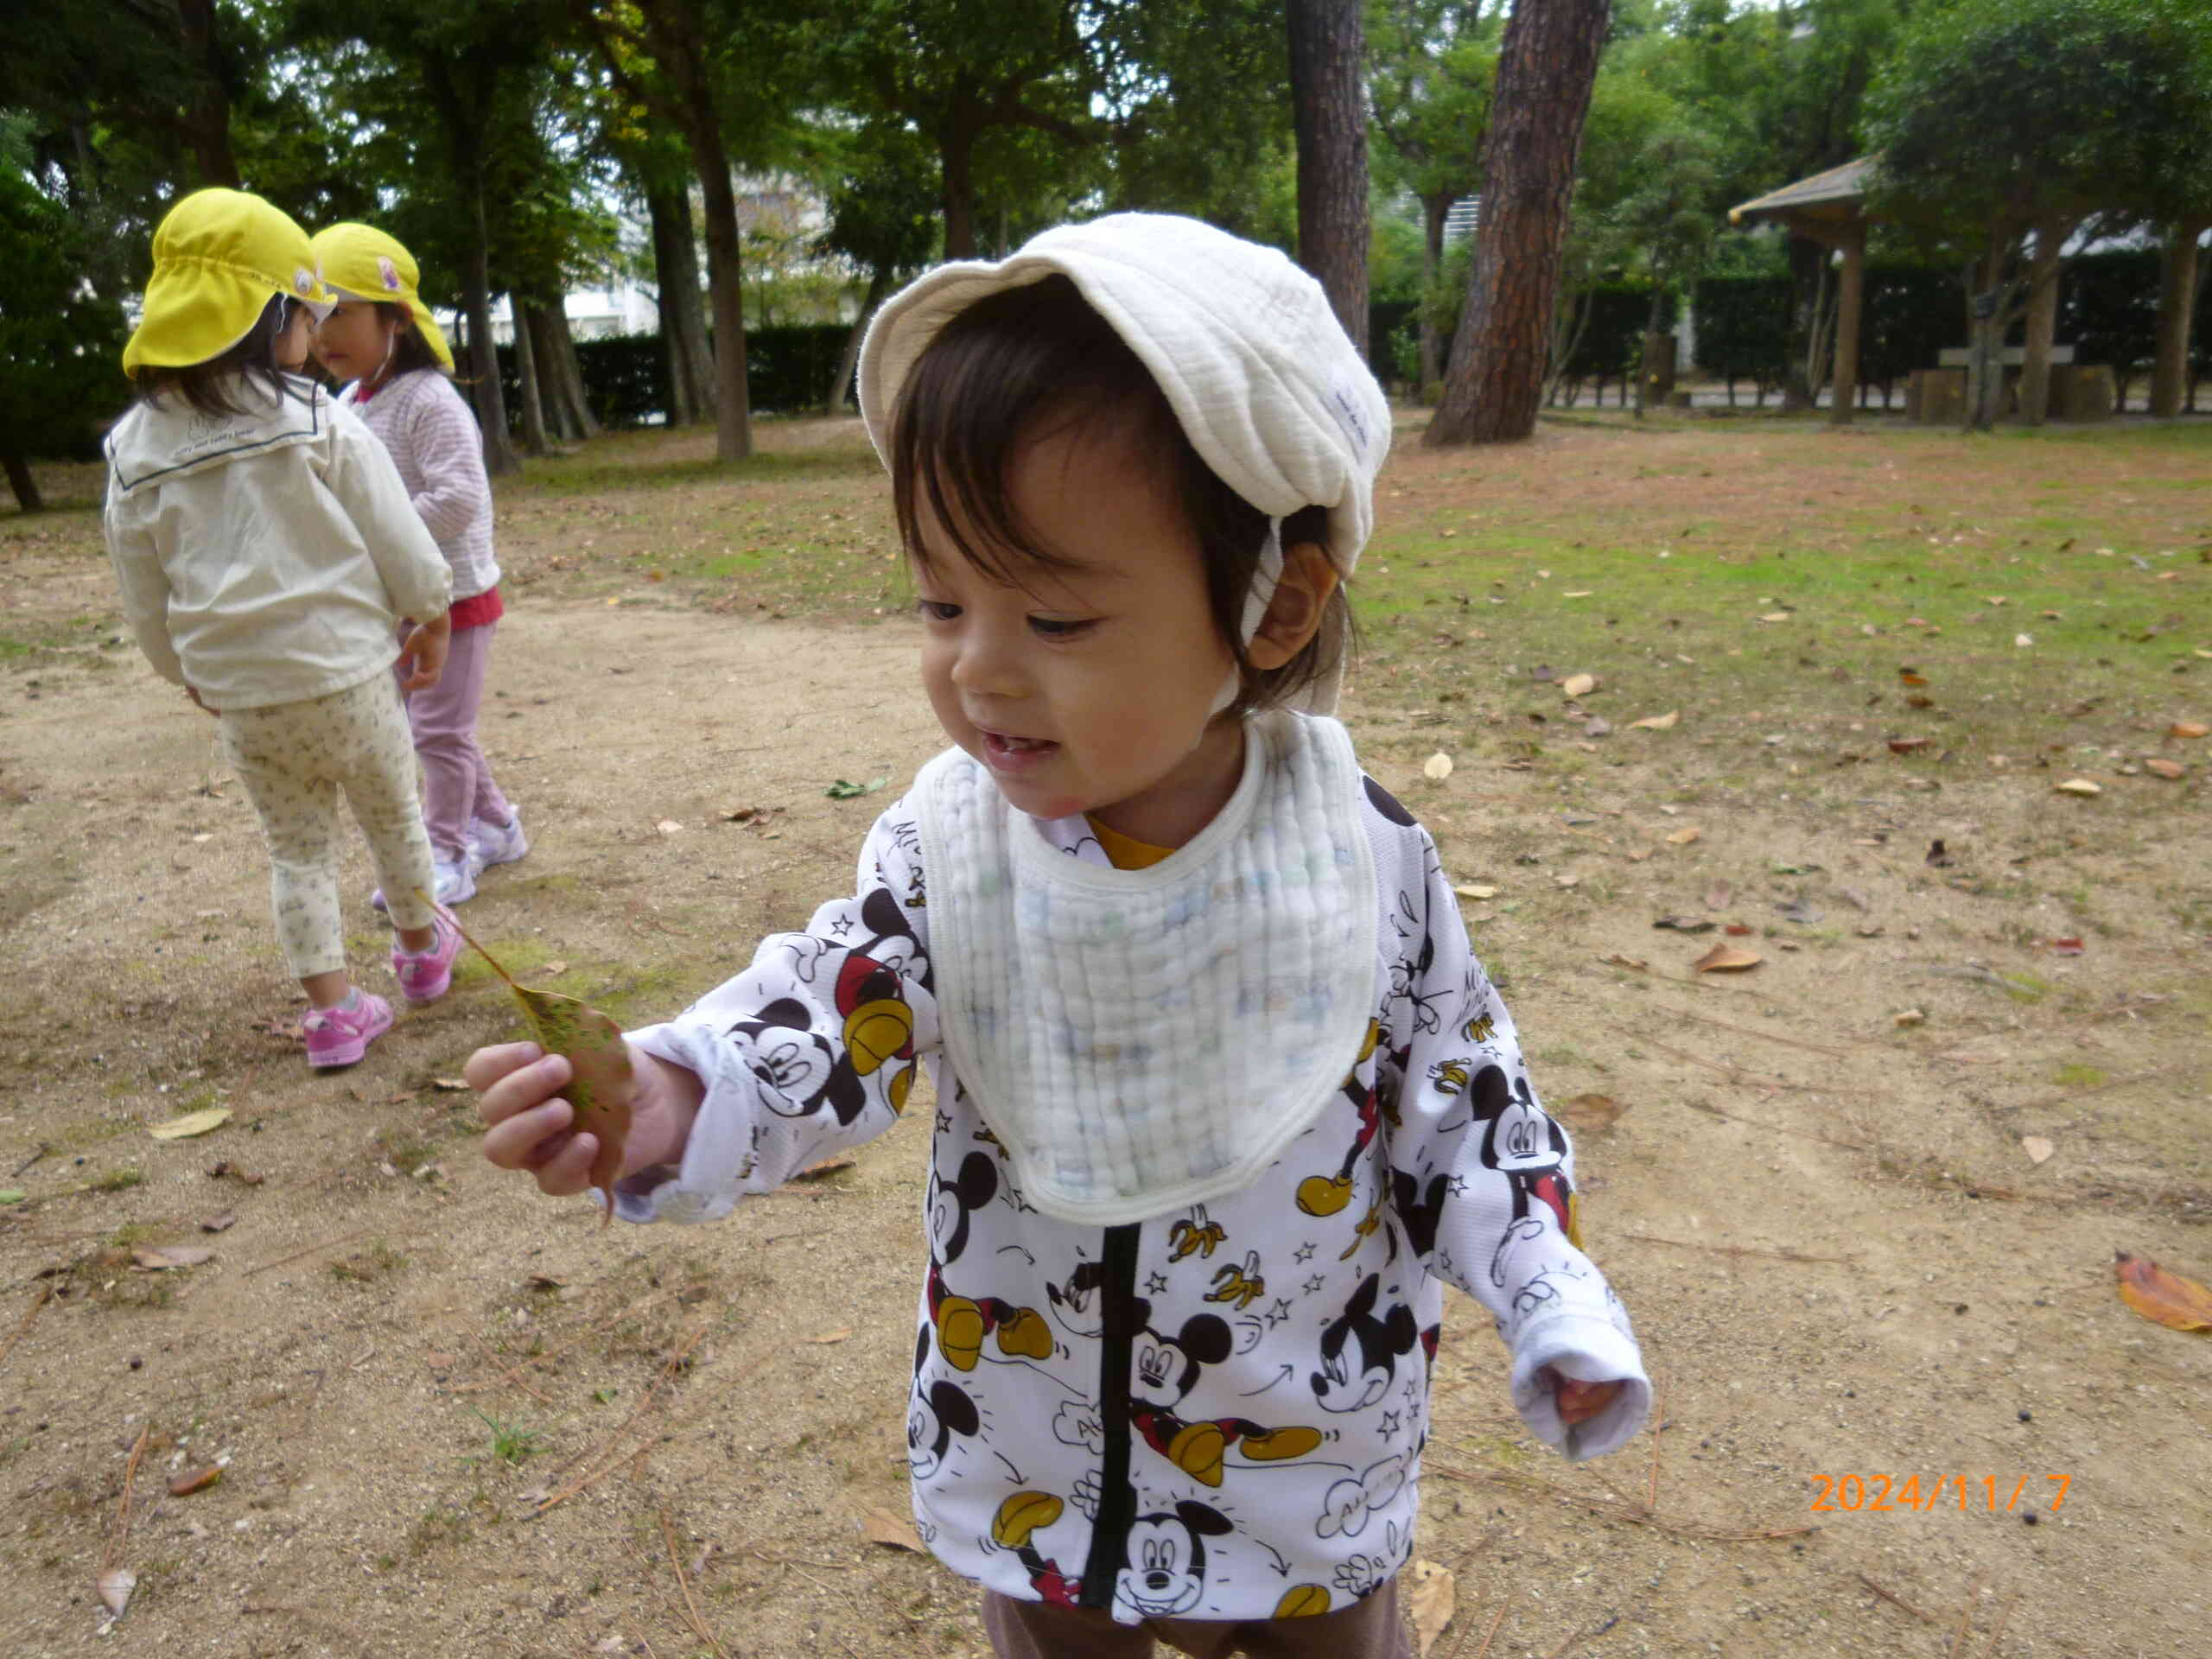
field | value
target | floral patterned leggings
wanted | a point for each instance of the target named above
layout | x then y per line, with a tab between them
294	758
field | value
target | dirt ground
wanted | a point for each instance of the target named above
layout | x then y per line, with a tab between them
1841	1258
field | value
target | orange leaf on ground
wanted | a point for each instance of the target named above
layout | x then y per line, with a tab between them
881	1526
1656	722
2164	1297
2168	769
1589	1113
2189	728
198	1481
1727	959
1907	745
1686	833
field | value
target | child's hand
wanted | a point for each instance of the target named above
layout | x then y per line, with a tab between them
1580	1401
529	1124
424	648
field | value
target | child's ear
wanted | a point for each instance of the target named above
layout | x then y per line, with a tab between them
1294	614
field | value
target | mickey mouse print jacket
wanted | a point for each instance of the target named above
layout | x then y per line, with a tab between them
1215	1414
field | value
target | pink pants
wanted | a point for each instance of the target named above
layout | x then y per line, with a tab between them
457	783
1037	1630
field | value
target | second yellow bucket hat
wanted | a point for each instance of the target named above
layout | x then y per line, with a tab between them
219	256
360	261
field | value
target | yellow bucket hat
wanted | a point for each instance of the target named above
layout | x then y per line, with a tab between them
218	256
360	263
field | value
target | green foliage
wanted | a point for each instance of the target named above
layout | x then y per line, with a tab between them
1995	114
60	342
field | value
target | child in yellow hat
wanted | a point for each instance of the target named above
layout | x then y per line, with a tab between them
381	337
268	552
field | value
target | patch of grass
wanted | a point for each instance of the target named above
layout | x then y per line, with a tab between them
378	1261
117	1180
511	1444
2080	1077
439	1528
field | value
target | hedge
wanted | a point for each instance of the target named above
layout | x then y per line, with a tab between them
2108	311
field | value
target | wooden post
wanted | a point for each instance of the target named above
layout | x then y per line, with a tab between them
1849	299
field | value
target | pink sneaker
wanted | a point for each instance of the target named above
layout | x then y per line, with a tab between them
339	1036
424	978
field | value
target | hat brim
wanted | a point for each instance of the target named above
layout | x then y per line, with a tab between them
195	312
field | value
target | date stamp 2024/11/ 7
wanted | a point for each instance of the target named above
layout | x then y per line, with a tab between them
1991	1494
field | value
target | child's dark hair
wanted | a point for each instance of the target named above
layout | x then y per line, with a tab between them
409	351
1031	361
212	388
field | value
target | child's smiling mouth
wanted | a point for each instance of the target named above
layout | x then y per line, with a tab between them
1006	752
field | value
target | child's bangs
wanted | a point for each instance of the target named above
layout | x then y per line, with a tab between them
1009	371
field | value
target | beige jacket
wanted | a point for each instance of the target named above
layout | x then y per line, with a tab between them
265	559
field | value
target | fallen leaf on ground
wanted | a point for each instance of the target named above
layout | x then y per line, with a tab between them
1908	1017
1656	722
2036	1147
1638	854
1435	1598
557	967
843	791
827	1337
1636	963
1475	890
171	1256
2168	769
1775	616
449	1085
2079	786
1686	833
192	1123
1436	767
1726	959
2069	947
668	827
1683	924
2189	728
115	1584
1737	929
1578	685
221	1223
199	1480
881	1526
2165	1298
1590	1112
1907	745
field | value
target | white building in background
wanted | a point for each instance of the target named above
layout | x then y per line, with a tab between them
594	313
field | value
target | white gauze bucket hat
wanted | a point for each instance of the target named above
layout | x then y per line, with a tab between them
1268	386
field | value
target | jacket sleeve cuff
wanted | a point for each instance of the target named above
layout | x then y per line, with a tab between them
1589	1350
705	1183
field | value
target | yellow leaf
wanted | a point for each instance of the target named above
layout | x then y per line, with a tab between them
1726	959
1580	593
2166	1297
1775	616
1686	833
1589	1114
1435	1598
192	1123
1475	890
1656	722
2079	786
1436	767
1578	685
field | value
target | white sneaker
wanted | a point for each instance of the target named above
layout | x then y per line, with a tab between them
497	843
450	884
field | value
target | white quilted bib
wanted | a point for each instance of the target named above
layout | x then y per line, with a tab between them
1141	1041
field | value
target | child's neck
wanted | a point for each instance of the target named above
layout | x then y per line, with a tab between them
1176	809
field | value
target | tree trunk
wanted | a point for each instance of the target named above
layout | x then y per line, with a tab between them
1850	305
1985	363
500	457
207	115
21	481
841	389
1329	116
560	420
1546	64
683	314
1434	209
1808	265
2043	320
1647	372
2176	302
533	405
571	370
956	150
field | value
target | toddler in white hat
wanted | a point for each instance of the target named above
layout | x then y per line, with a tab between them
1224	1100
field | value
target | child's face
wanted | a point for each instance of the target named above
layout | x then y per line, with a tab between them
352	342
1089	689
295	339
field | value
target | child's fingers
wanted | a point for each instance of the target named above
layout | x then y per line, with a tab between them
488	1067
568	1171
532	1138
